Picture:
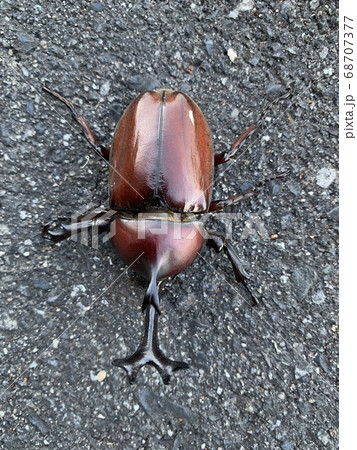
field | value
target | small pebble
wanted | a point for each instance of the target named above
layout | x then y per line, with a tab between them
323	436
143	82
273	88
7	323
58	156
26	43
101	375
41	283
77	289
24	71
232	54
325	177
285	220
209	47
314	4
37	422
300	372
234	14
323	363
245	5
97	6
318	298
235	114
105	88
29	108
286	446
323	53
274	187
254	61
246	186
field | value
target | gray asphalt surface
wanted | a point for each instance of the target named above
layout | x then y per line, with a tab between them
260	377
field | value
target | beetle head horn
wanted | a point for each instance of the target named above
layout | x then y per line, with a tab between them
152	296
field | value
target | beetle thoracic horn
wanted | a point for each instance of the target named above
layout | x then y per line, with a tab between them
149	352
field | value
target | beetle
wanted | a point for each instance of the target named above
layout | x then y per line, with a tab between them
161	177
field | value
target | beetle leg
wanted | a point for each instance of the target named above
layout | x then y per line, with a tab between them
88	133
219	205
223	157
219	243
55	230
274	177
62	228
149	352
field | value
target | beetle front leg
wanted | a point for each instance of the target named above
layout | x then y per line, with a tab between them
218	243
88	133
223	157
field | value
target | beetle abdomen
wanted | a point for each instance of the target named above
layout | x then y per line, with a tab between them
162	155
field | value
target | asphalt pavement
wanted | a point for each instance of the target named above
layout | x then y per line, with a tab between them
260	377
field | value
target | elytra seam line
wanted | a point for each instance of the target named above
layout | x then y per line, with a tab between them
159	150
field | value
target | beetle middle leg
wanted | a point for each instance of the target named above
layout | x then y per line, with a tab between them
219	205
88	133
61	228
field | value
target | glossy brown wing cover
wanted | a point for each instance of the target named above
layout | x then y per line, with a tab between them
161	155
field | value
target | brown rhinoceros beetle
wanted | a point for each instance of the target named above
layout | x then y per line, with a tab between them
161	176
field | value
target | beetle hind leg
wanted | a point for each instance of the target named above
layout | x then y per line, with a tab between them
218	242
150	353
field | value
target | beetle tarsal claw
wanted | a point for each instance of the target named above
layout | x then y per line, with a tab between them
55	230
149	353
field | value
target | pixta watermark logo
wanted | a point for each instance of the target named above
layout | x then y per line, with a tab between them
91	224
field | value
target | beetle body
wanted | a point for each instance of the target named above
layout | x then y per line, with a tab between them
160	182
161	155
161	162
